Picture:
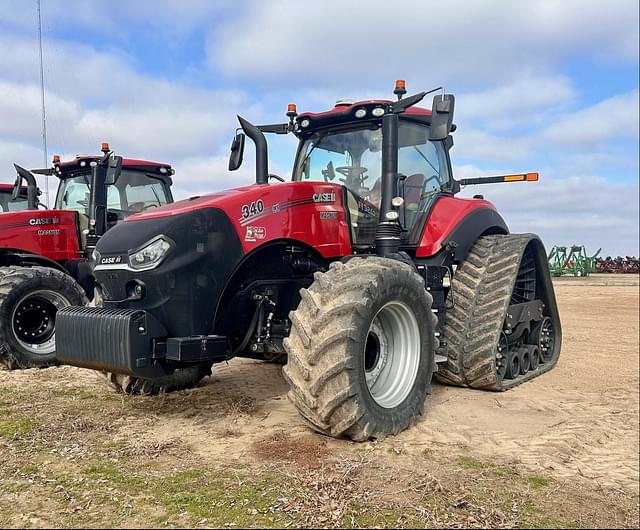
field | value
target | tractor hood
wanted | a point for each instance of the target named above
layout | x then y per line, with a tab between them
308	211
209	200
201	240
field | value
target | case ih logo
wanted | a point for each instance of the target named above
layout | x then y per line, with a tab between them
110	260
44	221
324	197
254	233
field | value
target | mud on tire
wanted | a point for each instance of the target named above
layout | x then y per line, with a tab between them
181	379
29	300
350	314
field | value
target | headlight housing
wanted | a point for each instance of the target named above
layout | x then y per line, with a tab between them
151	255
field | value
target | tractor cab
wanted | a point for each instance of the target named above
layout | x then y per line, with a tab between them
8	204
131	187
390	157
348	151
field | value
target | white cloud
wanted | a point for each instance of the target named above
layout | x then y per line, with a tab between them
586	210
467	43
615	117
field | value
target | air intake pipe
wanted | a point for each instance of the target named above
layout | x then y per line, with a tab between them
32	187
262	164
389	230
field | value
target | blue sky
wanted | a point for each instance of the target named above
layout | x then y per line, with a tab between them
546	86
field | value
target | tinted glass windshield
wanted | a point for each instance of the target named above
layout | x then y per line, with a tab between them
134	192
7	205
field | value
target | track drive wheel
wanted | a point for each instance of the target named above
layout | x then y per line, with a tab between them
181	379
361	349
30	297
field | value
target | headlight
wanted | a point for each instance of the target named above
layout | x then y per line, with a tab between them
151	255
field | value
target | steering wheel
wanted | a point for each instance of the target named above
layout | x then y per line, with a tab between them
277	177
348	171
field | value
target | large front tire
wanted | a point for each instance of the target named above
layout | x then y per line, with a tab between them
361	349
30	297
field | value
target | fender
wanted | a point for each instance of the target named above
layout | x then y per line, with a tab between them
455	245
10	257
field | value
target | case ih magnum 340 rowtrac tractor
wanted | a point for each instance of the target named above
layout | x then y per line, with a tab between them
366	272
44	254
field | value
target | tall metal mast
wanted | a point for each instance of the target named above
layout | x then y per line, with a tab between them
44	114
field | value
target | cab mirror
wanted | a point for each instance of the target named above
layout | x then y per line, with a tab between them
441	117
237	151
114	168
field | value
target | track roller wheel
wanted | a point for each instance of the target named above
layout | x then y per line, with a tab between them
525	360
534	357
513	365
361	349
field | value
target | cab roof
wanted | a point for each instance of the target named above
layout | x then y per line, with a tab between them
345	114
348	108
129	163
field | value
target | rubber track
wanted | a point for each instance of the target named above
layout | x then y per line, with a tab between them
318	375
482	287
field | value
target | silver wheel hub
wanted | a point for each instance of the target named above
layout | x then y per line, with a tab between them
392	354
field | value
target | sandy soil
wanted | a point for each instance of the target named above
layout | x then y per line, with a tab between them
578	423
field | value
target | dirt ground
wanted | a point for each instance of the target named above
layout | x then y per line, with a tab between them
561	450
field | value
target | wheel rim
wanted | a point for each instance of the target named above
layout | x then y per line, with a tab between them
546	340
392	354
33	320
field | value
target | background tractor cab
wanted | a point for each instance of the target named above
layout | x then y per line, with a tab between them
16	197
9	204
45	254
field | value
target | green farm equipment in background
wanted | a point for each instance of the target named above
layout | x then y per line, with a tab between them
571	261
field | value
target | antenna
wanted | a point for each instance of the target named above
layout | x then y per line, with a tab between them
44	114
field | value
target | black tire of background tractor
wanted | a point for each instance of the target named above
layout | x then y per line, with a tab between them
483	286
181	379
326	347
15	284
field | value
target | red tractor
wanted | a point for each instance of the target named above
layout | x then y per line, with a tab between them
365	273
45	254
